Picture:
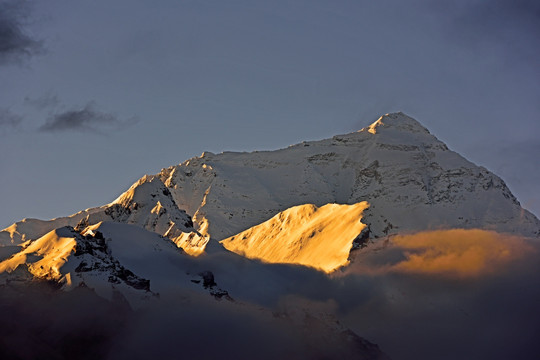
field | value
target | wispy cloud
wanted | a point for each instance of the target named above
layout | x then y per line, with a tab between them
16	44
8	119
46	101
87	119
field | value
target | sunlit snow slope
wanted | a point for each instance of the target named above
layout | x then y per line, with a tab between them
44	256
304	234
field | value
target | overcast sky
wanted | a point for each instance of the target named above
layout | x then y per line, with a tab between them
95	94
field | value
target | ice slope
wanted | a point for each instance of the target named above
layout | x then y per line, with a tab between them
318	237
411	180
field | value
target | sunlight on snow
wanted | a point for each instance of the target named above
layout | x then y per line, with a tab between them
320	237
51	250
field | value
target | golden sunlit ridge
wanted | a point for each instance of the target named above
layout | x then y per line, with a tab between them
319	237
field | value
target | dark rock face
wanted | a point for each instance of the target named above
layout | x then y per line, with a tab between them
95	255
90	244
208	282
122	274
362	240
82	225
208	279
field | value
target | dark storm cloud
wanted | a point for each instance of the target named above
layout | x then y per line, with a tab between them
16	44
9	119
87	119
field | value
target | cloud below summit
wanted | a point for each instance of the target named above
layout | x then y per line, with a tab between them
456	253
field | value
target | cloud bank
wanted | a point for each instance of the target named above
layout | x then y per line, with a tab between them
41	322
457	253
457	294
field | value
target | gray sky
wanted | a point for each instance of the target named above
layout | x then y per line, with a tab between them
95	94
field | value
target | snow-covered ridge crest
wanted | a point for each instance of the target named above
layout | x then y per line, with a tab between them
147	203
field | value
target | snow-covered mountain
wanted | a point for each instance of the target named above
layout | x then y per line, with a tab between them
410	179
197	228
283	206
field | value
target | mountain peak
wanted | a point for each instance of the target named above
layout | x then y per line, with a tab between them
397	121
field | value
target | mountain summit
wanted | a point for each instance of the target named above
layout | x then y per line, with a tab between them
396	121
